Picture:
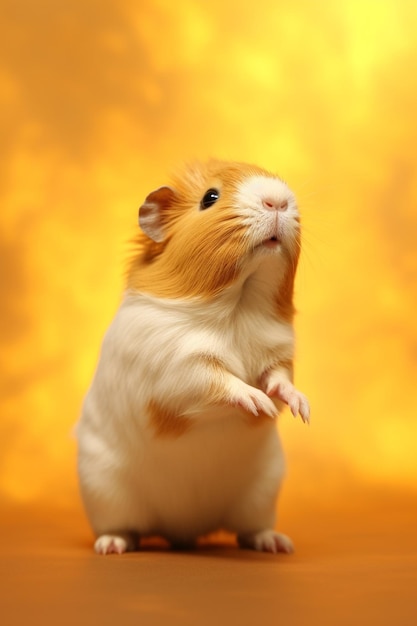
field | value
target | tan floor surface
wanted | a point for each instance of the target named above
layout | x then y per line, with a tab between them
354	565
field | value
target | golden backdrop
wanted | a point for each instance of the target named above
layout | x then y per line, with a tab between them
100	99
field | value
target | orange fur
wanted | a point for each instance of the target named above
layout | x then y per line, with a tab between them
213	239
165	424
284	297
217	369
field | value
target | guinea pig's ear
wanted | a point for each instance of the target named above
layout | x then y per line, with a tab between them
151	212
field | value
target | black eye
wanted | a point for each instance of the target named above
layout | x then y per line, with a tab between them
209	199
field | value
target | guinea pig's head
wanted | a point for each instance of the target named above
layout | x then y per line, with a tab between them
215	221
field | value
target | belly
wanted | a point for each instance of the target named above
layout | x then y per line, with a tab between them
193	484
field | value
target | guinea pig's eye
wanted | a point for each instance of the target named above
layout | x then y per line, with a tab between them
209	199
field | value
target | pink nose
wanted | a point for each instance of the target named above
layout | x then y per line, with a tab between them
275	205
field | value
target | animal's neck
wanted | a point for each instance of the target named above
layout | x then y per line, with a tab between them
267	288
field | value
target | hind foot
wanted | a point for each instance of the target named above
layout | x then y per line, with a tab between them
267	541
116	544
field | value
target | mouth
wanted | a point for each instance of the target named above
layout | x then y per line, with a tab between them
272	242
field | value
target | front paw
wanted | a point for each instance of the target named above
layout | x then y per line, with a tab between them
251	399
285	391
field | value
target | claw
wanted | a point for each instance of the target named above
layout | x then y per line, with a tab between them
253	400
286	392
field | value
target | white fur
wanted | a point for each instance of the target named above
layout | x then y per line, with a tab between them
222	473
263	222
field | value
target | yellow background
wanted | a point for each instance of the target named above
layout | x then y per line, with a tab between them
101	99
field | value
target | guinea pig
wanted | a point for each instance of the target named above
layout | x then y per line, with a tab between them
178	436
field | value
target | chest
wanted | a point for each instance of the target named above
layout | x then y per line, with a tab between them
252	341
247	339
